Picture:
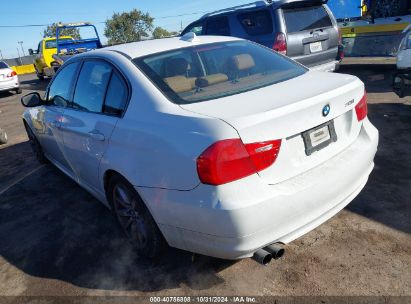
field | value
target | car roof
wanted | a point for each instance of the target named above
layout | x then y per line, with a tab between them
148	47
261	4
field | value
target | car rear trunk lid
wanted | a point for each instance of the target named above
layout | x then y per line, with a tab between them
287	111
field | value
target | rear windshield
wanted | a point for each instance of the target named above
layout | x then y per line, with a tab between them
3	65
306	18
51	44
216	70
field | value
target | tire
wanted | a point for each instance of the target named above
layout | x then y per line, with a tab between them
3	137
399	85
134	218
39	76
19	91
35	146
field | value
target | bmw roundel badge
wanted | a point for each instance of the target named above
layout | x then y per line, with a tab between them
326	110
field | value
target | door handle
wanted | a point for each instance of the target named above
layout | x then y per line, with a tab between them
96	135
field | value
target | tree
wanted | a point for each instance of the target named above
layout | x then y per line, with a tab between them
159	32
50	31
128	27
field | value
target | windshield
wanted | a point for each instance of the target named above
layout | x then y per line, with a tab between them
51	44
216	70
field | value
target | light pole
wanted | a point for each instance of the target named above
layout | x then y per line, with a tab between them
18	52
1	55
21	45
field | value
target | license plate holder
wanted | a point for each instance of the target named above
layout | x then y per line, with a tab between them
316	47
319	137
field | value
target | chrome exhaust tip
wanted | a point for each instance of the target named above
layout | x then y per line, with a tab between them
263	257
276	250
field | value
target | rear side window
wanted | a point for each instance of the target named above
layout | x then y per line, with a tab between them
306	18
116	97
256	23
60	88
3	65
91	86
218	26
196	28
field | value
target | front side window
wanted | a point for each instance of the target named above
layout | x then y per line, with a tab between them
60	89
216	70
306	18
91	86
257	22
218	26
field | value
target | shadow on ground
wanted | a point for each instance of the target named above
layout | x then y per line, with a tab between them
387	196
51	228
35	84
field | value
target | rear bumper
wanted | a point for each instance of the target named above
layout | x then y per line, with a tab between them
326	67
232	221
11	84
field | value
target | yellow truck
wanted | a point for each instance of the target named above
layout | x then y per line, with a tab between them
44	63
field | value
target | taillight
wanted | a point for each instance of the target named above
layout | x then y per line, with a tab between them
12	74
280	44
361	108
341	54
229	160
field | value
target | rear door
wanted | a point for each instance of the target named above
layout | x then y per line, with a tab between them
312	33
99	100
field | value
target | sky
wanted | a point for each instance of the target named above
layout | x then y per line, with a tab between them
26	12
167	15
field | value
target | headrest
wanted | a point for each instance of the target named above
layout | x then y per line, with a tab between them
243	62
176	66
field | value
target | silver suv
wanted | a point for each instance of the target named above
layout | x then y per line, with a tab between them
304	30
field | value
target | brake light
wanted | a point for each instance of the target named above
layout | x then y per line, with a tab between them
12	74
229	160
361	109
280	44
341	54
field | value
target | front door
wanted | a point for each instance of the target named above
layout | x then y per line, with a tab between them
49	117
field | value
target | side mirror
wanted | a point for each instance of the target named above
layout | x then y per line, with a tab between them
31	52
31	100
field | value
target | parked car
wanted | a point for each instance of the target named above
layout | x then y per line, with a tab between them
402	78
304	30
214	145
9	81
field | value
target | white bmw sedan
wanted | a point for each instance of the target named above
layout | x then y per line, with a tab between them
9	81
216	145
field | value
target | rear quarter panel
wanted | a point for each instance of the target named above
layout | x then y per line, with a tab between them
156	143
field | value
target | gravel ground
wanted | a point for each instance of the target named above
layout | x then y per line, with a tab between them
56	239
